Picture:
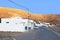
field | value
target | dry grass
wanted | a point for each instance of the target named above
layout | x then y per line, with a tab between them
10	12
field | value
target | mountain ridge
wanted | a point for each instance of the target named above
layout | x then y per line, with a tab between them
10	12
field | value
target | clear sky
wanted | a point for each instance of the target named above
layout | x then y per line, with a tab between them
35	6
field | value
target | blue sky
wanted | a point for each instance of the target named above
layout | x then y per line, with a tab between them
35	6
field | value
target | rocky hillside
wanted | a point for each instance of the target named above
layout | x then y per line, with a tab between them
51	18
9	12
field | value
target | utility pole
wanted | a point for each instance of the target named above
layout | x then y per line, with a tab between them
23	7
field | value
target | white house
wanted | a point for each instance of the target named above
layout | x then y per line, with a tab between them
16	24
38	24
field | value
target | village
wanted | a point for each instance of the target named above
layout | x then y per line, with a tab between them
18	24
29	20
16	27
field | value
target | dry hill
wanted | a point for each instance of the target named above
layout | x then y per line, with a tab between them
9	12
51	18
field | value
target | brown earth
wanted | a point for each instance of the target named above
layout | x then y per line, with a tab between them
51	18
10	12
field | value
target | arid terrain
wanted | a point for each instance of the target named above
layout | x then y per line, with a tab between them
51	18
11	12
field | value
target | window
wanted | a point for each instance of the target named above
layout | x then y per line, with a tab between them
7	22
37	22
29	28
0	20
26	28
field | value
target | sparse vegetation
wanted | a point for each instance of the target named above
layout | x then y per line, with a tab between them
9	12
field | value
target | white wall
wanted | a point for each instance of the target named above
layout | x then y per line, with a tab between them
12	28
15	24
31	24
28	23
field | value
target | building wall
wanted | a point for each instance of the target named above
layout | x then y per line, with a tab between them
31	24
13	25
16	24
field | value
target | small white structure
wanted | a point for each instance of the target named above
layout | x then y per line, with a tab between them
46	24
16	24
38	24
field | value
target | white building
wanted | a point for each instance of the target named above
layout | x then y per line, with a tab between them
16	24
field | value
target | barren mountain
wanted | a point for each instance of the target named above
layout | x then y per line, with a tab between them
10	12
51	18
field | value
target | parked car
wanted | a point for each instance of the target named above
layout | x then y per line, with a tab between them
37	25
